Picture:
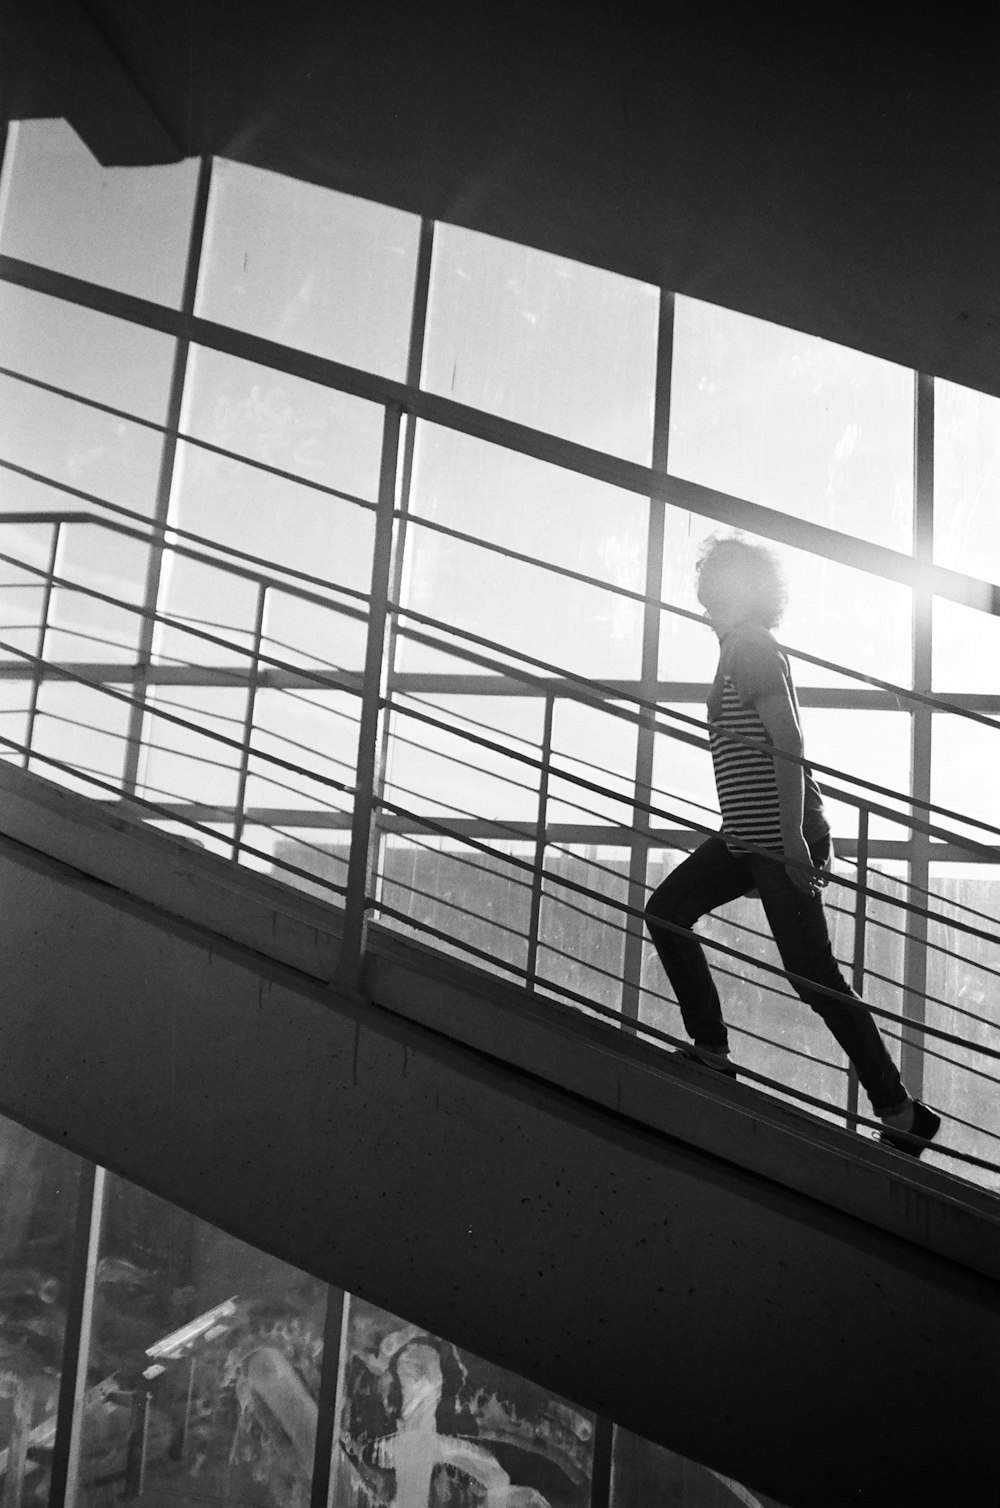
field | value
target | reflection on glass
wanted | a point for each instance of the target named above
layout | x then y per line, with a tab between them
310	268
835	612
961	978
271	419
966	480
126	228
551	515
645	1475
421	1422
547	342
204	1363
792	422
38	1193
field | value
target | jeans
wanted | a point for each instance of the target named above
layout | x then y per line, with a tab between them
710	877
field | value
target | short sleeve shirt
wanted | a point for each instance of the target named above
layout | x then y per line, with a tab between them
753	666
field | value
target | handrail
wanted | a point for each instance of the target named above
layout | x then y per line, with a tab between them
259	667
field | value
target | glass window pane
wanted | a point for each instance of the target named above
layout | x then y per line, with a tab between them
846	616
966	480
267	418
963	774
548	514
966	649
126	228
188	764
872	746
80	726
310	268
204	1364
792	422
478	898
479	902
644	1475
67	441
421	1421
38	1200
551	343
581	938
961	981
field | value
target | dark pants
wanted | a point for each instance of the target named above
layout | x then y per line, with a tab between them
710	877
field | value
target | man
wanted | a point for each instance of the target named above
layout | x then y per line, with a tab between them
775	840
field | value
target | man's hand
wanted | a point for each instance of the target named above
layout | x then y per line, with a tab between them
799	865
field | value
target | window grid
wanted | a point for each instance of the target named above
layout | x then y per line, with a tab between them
663	492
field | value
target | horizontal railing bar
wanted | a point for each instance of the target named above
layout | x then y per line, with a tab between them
597	690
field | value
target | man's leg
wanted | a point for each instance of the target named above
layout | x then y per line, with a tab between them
708	878
798	924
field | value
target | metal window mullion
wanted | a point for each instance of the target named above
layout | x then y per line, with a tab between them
43	628
649	673
367	774
64	1476
326	1404
165	481
414	367
915	952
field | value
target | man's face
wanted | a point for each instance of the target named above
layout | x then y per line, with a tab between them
724	597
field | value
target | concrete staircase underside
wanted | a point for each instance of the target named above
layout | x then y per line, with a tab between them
785	1301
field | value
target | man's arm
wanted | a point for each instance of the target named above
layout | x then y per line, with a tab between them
782	727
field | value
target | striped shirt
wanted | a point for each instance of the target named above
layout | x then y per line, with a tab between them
752	666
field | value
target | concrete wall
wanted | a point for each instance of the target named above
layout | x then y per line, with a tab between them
808	1352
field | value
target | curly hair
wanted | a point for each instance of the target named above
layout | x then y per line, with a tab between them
757	568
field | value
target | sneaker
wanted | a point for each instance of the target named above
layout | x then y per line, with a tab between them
720	1062
926	1125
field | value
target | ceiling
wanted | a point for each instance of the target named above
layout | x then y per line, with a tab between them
832	174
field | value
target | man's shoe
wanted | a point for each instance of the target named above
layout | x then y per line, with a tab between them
926	1125
719	1062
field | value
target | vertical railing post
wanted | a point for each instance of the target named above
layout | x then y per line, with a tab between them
915	957
368	770
649	676
401	556
860	941
253	678
541	827
43	628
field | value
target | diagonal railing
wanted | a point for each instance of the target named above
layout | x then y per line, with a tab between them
252	743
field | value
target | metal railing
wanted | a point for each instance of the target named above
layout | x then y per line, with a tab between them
347	779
